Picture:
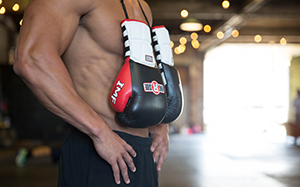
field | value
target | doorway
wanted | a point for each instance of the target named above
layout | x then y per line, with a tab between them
246	90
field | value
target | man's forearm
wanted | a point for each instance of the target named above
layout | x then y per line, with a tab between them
54	88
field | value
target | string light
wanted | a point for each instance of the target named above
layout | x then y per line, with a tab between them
2	10
176	51
207	28
257	38
195	44
184	13
16	7
21	22
220	35
0	2
283	41
235	33
194	36
225	4
181	48
172	44
183	40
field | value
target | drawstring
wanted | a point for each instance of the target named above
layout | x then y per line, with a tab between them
144	13
124	8
126	14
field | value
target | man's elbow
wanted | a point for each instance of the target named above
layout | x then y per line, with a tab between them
24	66
20	66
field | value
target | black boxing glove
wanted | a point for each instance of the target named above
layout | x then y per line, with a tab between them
170	75
138	94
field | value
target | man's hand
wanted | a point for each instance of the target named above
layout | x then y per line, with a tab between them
117	153
160	144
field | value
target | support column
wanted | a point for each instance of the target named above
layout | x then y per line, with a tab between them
294	85
196	90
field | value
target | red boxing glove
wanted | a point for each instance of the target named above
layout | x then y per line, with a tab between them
138	94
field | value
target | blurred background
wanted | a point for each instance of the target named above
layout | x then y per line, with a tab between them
239	62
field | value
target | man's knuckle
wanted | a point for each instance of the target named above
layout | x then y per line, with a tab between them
122	150
124	169
128	146
130	162
112	161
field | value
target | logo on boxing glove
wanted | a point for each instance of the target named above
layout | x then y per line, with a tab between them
154	87
149	58
118	88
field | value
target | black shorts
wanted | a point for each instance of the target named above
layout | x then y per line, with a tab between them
81	166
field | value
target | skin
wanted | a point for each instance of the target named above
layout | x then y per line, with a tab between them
69	53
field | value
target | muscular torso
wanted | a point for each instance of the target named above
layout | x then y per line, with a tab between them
96	54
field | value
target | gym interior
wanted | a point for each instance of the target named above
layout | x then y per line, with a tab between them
240	74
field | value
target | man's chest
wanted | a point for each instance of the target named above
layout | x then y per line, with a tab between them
103	23
103	27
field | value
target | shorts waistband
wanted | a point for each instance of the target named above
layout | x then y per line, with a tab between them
136	141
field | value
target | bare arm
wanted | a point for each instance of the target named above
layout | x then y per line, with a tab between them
44	36
47	31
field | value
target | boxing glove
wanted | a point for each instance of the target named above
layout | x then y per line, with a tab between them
138	95
170	75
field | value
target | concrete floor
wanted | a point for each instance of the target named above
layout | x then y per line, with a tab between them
198	160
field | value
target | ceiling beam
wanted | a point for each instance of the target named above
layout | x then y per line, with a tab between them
242	39
237	21
227	16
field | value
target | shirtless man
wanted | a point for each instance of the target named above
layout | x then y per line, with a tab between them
69	53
